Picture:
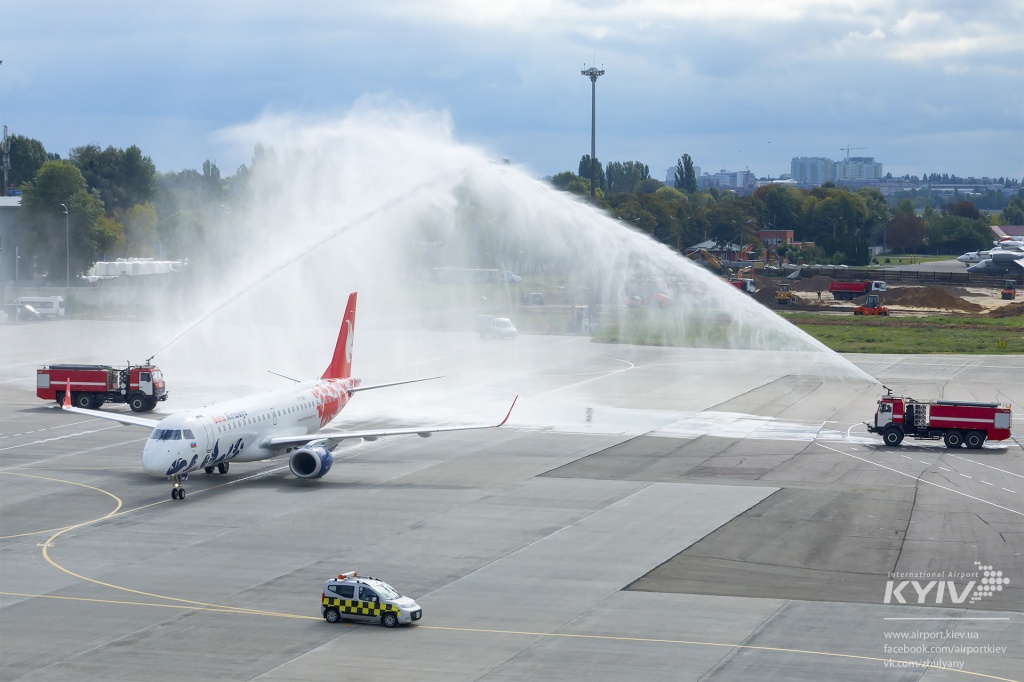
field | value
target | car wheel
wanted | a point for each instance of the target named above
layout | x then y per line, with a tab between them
389	620
892	436
332	615
953	439
974	439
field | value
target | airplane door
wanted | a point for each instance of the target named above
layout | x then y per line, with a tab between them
211	437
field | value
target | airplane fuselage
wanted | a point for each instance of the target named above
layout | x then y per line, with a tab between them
236	430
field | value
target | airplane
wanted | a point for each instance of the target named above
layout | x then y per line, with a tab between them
999	263
972	257
261	426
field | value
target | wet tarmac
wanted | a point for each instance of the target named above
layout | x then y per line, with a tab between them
661	513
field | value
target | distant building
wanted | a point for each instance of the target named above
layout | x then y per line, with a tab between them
858	169
738	180
812	170
775	237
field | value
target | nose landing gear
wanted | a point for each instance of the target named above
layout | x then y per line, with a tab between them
178	492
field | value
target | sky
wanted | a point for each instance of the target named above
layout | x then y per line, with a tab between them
922	86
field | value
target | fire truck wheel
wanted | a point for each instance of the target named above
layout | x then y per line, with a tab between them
892	436
974	439
953	439
137	402
60	397
83	400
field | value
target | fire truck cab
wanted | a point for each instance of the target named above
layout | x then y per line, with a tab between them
956	422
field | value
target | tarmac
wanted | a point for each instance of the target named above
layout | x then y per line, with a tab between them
664	513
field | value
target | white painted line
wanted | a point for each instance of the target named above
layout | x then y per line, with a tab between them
924	462
986	483
974	461
945	469
906	456
966	476
920	480
1007	490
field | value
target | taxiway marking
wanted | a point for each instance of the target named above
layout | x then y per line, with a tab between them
525	633
921	480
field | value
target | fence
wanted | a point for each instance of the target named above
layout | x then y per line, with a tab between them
913	276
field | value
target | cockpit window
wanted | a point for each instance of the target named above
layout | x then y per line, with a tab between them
165	434
188	434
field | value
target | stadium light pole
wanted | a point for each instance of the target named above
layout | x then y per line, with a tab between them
67	242
593	73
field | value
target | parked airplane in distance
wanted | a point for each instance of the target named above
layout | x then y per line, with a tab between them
265	425
972	257
999	262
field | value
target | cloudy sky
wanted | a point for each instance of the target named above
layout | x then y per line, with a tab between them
922	86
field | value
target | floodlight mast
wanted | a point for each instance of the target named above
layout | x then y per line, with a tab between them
593	73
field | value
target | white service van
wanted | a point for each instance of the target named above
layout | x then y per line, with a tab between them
47	306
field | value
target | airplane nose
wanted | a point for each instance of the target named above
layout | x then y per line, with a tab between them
155	459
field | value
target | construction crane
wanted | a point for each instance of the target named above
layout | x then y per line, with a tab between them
847	149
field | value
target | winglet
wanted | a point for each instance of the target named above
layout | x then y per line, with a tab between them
341	363
509	412
67	394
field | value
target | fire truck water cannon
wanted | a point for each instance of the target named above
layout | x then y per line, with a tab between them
955	422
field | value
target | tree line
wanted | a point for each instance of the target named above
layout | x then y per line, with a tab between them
832	224
111	203
103	204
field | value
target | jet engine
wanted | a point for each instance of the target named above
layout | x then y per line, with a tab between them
311	461
1005	257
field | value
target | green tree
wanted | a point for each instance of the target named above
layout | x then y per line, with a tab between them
567	181
624	177
48	232
123	177
141	238
1013	214
956	234
598	170
27	156
686	177
778	206
905	232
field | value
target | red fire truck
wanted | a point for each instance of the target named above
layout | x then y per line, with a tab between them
141	386
956	422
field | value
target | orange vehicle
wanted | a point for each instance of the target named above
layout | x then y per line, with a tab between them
871	307
1009	292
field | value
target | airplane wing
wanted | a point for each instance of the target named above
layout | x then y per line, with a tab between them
374	434
112	416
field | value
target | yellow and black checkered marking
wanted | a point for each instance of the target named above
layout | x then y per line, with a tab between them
354	607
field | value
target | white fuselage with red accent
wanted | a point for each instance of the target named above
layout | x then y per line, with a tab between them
234	430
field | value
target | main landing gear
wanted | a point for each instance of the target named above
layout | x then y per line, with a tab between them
221	468
177	492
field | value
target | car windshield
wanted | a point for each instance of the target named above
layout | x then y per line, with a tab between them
502	323
386	591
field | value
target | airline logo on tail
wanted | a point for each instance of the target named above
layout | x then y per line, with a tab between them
341	363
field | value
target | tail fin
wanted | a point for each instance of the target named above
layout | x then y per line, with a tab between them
341	363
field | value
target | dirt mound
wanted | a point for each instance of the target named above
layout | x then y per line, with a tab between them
814	284
928	297
1008	310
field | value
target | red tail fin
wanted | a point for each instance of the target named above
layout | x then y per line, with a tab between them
341	363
